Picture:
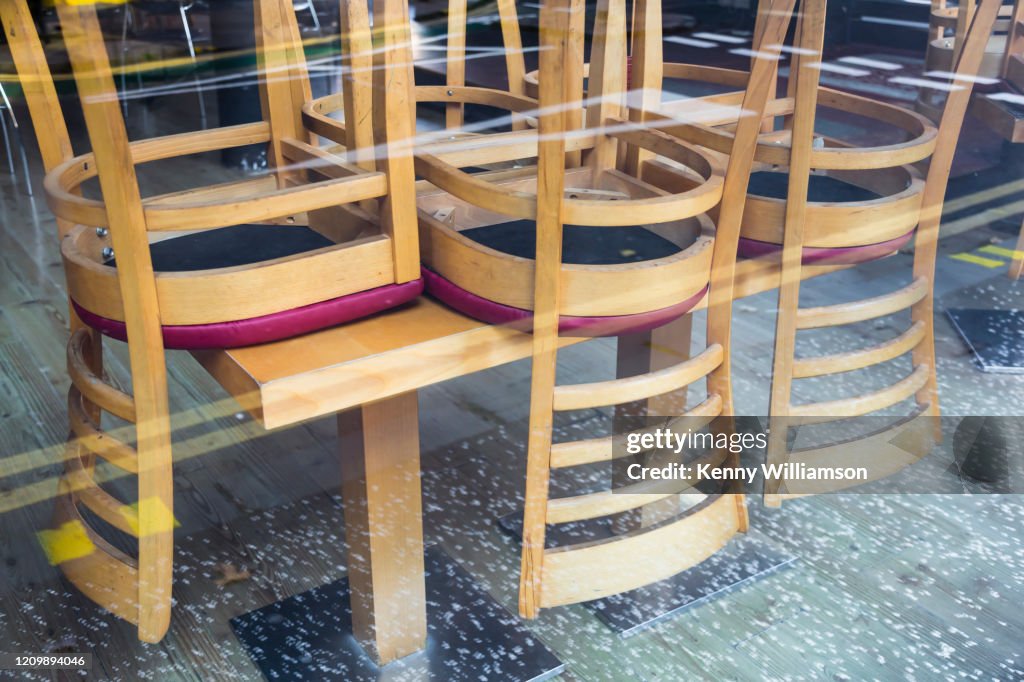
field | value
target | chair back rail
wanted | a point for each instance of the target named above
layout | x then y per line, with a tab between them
917	340
134	296
123	202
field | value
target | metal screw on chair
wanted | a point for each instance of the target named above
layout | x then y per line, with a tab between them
102	232
107	253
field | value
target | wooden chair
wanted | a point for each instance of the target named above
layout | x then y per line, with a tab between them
1002	107
878	188
493	245
278	277
947	27
552	576
473	199
828	225
355	99
877	177
639	252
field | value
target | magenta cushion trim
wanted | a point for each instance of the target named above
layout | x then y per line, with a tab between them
485	310
847	255
267	328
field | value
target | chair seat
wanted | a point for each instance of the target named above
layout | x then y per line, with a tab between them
489	311
580	246
812	255
246	245
820	189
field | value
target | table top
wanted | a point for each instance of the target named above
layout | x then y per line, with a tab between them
416	345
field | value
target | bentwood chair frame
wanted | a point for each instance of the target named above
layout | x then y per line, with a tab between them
842	233
139	589
1013	70
512	194
947	28
553	576
891	451
1006	120
570	153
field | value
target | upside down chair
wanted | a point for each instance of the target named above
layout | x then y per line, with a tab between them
566	238
1001	106
947	26
818	200
906	205
221	266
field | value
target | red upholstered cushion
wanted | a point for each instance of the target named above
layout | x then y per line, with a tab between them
485	310
850	255
267	328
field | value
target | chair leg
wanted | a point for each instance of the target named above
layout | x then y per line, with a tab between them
24	160
125	23
156	551
183	10
1017	264
7	142
314	16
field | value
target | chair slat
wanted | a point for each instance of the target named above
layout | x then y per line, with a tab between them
290	200
94	388
590	571
593	450
618	391
105	575
884	453
867	309
633	496
82	487
845	362
863	404
120	454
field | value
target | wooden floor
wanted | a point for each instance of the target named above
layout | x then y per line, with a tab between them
885	587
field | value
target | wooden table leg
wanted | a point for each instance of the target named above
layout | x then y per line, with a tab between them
380	454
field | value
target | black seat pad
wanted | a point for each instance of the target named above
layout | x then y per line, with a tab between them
580	245
227	247
821	188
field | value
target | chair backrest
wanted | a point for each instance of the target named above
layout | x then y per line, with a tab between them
594	569
139	588
126	220
918	296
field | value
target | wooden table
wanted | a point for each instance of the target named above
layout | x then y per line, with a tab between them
368	373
